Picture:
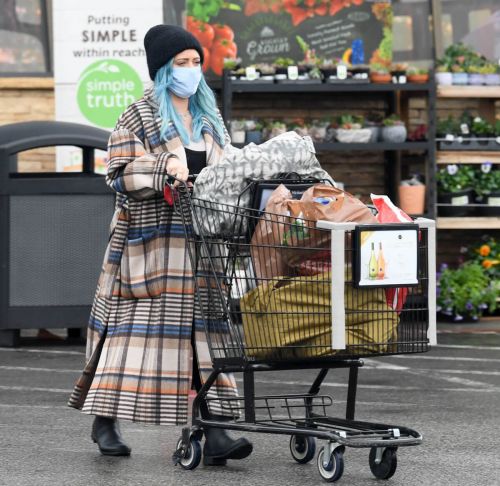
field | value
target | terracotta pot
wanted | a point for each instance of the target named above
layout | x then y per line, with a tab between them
418	78
412	199
380	77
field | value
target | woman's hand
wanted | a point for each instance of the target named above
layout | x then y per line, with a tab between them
177	169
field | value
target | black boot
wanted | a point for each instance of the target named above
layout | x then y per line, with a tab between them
219	446
106	433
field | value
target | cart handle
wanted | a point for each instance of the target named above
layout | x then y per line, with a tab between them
170	190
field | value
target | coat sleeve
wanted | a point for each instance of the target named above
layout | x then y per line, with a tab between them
130	169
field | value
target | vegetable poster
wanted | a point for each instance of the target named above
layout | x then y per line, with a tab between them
262	31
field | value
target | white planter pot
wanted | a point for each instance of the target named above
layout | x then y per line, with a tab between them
238	136
445	79
395	134
361	135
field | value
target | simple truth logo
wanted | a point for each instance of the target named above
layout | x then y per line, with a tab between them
105	89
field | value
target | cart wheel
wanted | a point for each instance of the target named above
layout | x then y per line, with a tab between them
193	457
334	469
303	448
387	466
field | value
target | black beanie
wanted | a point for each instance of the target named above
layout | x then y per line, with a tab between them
163	42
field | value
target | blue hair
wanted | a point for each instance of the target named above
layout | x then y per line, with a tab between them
201	104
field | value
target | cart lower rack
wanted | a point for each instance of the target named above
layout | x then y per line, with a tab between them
282	293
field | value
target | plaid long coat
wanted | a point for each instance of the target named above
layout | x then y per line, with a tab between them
139	353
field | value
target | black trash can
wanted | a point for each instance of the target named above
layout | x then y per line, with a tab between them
53	231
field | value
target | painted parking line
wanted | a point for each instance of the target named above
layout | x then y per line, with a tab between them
443	358
46	351
477	389
30	368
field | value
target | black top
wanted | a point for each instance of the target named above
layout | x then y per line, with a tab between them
196	160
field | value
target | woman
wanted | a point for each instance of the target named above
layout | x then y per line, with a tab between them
143	351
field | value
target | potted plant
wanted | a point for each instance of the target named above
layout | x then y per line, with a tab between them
317	130
380	74
328	68
482	130
281	65
351	130
310	59
447	128
455	184
465	292
491	74
476	75
238	131
277	127
266	71
487	254
299	126
398	73
460	77
412	196
253	132
232	63
487	188
360	72
418	75
444	76
394	129
373	122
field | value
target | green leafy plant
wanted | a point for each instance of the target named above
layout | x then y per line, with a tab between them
414	71
328	63
481	128
487	180
455	178
392	121
487	254
447	126
466	290
379	68
265	68
350	122
497	128
284	62
232	64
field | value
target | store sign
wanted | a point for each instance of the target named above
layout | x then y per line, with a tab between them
356	31
99	63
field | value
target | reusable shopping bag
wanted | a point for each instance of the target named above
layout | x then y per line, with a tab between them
288	318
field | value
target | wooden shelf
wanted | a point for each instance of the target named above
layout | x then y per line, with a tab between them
28	82
468	91
475	222
466	157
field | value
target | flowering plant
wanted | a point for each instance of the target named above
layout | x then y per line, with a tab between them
488	256
466	290
487	180
455	178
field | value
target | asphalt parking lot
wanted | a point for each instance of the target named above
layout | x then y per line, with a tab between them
451	395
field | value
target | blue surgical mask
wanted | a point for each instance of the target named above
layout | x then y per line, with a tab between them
185	81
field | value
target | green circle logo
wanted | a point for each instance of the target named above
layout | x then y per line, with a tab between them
105	89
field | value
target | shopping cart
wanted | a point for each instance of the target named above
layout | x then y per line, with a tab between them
281	327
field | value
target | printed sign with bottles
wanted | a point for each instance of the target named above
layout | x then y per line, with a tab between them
386	256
